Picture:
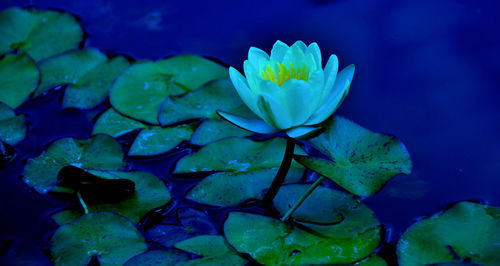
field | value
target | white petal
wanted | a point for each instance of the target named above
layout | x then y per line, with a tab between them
294	55
313	49
300	100
241	86
301	45
250	124
253	76
299	132
273	112
278	51
331	69
316	81
256	55
338	94
271	88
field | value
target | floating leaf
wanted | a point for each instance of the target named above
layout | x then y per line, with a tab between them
272	242
87	72
150	193
19	77
110	237
213	130
140	90
230	189
114	124
373	260
235	155
92	88
193	223
213	248
361	161
158	258
157	140
99	152
334	214
465	232
40	33
202	103
12	127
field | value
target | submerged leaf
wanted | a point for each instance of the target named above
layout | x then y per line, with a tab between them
99	152
12	127
465	232
40	33
19	252
202	103
158	258
192	223
92	188
360	160
213	248
140	90
150	192
110	237
19	77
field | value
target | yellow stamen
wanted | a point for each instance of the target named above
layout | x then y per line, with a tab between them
284	73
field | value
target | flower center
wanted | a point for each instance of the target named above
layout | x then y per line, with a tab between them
284	73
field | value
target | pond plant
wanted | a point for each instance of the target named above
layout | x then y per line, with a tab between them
264	151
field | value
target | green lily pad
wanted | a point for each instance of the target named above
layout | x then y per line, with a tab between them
140	90
193	223
339	216
235	155
157	140
92	89
150	192
360	160
110	237
213	130
19	77
272	242
231	189
40	33
12	127
465	232
99	152
114	124
213	248
373	260
87	72
158	258
202	103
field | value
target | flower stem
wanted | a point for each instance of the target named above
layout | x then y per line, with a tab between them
302	198
282	171
84	206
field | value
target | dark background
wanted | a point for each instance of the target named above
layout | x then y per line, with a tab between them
427	71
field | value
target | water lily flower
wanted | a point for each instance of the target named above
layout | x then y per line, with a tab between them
289	90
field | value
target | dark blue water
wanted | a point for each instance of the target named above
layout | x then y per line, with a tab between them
426	71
